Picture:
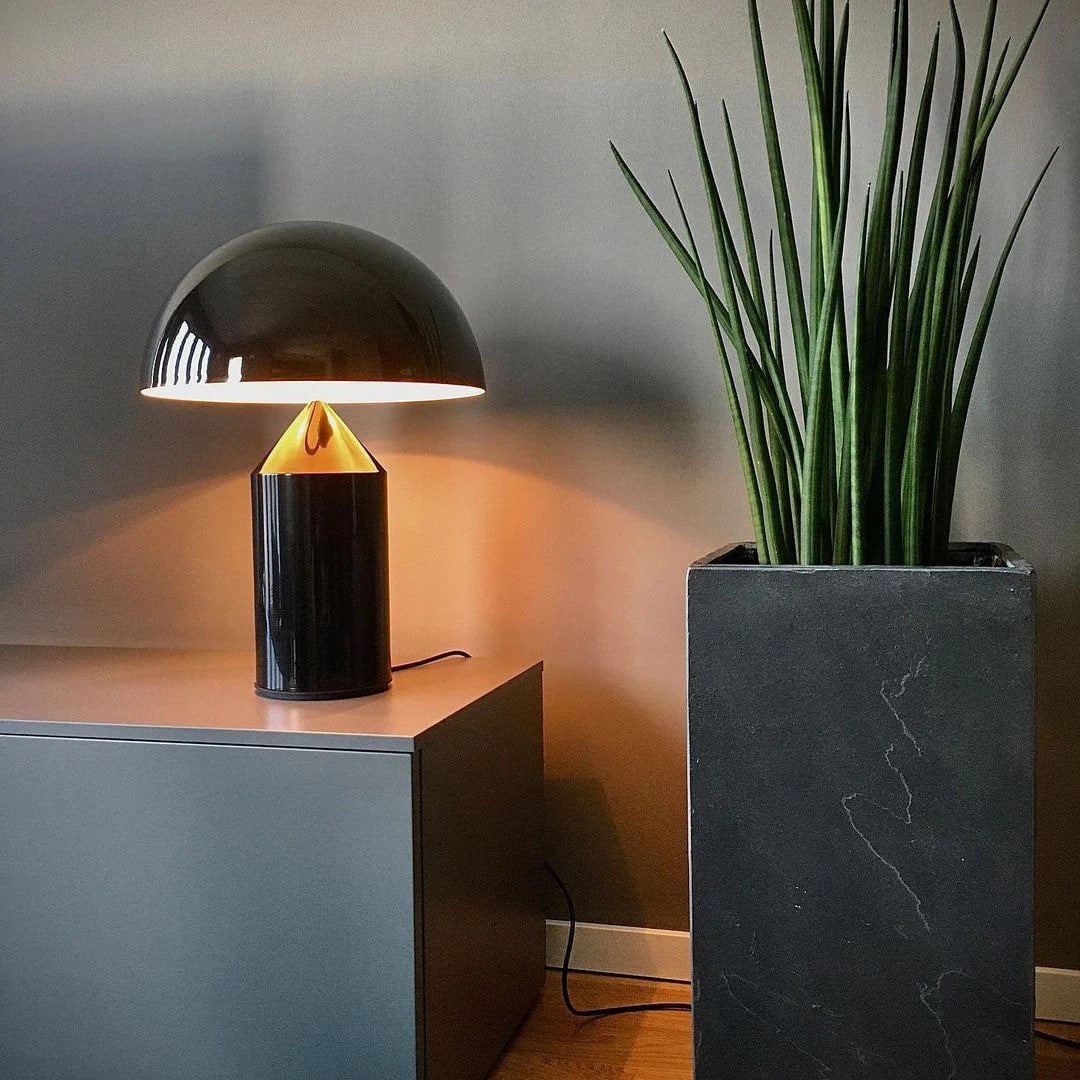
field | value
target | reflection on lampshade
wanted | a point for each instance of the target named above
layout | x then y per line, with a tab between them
311	310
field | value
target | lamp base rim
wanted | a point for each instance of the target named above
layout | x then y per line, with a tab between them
322	695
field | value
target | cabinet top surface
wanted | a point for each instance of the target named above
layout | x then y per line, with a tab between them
208	697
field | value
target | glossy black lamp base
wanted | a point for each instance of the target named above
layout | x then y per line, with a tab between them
336	695
322	609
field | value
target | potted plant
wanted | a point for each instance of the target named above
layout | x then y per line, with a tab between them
860	689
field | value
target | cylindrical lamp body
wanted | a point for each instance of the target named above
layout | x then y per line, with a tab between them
322	584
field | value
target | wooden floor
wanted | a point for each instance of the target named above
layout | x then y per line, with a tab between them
652	1046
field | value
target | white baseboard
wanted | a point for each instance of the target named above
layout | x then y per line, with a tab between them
665	954
622	950
1057	994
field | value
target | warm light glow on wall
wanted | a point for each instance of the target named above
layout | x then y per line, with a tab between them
300	392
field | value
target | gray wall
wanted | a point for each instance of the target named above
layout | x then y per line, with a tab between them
556	515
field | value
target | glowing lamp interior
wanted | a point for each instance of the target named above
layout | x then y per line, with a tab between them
318	441
299	392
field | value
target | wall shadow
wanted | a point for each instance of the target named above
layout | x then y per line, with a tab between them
1020	472
591	416
621	817
105	205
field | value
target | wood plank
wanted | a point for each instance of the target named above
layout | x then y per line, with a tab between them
647	1046
553	1045
1053	1062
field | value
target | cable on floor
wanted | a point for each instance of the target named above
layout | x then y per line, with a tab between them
615	1010
667	1006
431	659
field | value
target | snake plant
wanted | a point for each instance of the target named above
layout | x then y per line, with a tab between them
853	458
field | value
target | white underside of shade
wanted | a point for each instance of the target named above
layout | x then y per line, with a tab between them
300	392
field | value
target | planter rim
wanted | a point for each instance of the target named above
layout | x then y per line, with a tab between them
1005	561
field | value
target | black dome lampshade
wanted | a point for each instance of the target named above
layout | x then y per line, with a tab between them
306	313
308	310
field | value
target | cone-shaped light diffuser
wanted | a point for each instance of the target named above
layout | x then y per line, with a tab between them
318	441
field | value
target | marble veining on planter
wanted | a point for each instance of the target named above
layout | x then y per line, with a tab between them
861	767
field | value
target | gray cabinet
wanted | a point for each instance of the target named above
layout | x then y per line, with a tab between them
198	884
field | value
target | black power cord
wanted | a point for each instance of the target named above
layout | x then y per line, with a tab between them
619	1010
669	1006
616	1010
431	659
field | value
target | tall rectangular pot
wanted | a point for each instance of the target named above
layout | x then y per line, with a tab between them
861	804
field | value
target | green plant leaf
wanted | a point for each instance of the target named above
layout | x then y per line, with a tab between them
677	247
867	472
811	543
770	507
978	340
786	231
742	441
995	106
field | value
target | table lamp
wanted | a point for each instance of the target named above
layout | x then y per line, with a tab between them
311	313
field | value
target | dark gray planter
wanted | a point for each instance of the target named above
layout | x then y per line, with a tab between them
861	806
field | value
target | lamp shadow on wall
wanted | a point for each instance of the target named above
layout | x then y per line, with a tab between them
105	205
624	426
